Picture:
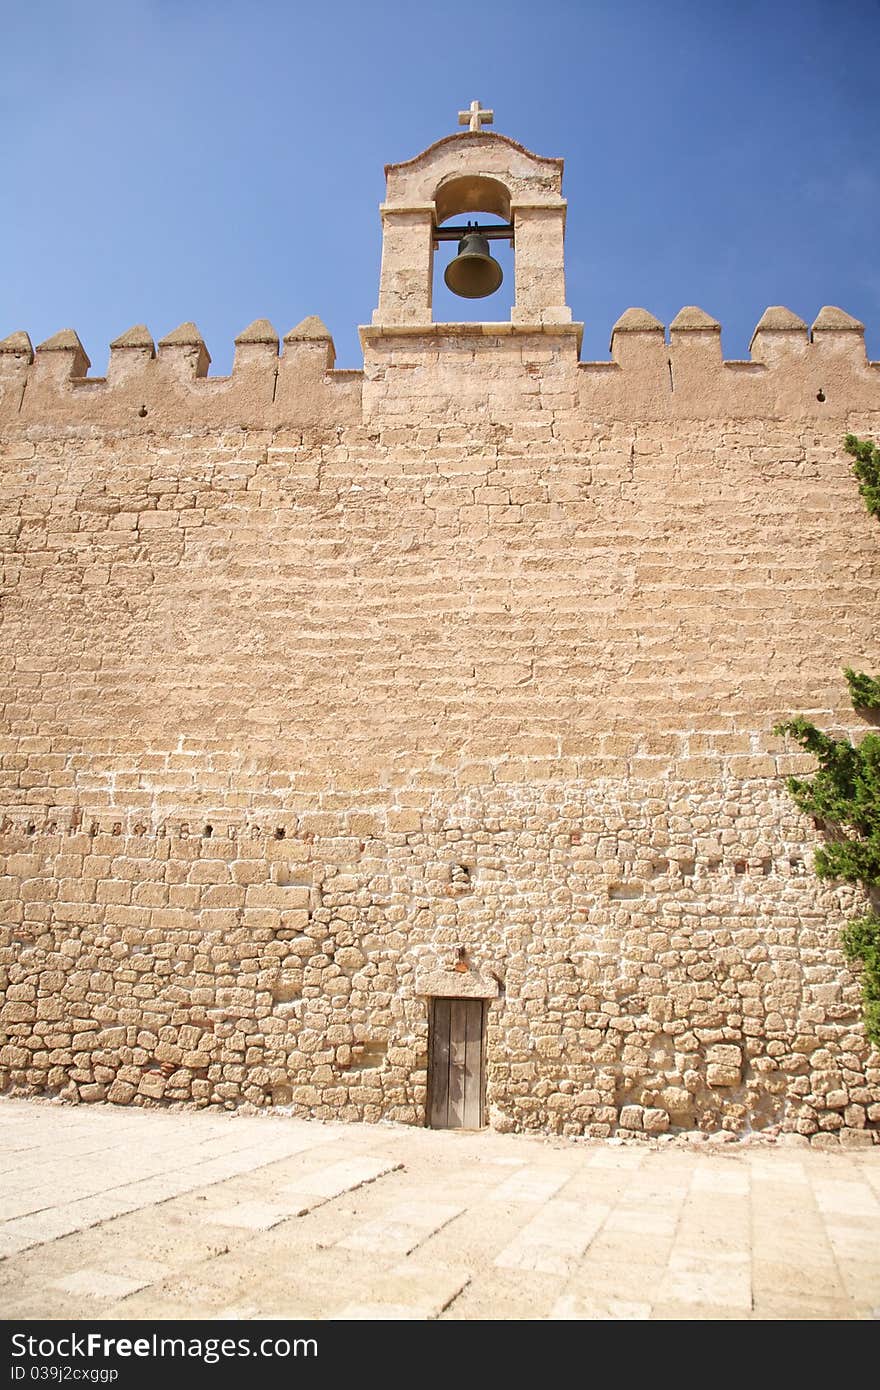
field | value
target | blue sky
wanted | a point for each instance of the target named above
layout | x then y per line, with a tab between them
166	160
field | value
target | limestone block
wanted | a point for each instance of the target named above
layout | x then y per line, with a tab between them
152	1084
856	1139
631	1117
724	1065
92	1092
655	1120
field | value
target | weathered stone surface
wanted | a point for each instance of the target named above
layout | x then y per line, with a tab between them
309	329
121	1092
778	319
260	331
632	1117
332	693
139	337
654	1120
186	335
637	321
724	1065
152	1084
693	319
830	319
18	345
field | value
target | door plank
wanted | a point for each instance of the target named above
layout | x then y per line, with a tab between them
457	1062
473	1064
439	1075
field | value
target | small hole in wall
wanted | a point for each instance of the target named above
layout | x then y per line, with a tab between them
622	892
687	868
208	832
366	1056
820	395
740	866
280	832
142	412
287	992
766	867
31	829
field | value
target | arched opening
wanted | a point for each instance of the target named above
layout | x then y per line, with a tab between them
470	193
472	198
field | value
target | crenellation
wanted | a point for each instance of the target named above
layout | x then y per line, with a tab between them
59	358
790	369
129	353
184	352
15	351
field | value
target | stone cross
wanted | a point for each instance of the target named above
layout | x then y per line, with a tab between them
474	117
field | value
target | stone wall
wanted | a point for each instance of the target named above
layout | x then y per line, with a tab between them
314	695
661	957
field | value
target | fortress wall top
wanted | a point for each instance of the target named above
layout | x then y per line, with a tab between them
459	372
171	388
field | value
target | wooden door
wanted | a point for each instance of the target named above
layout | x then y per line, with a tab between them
455	1064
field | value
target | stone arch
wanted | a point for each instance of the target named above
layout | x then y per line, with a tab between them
463	193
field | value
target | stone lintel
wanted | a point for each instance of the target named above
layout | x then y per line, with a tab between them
397	209
371	333
453	984
551	203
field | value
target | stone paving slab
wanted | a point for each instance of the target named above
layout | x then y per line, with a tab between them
153	1214
405	1228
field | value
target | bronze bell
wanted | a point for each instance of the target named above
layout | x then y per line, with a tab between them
474	273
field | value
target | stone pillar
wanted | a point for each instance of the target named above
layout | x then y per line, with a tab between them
406	277
539	230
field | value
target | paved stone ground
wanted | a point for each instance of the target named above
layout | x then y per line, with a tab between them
150	1214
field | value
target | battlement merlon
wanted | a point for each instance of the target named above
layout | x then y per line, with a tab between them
170	387
465	367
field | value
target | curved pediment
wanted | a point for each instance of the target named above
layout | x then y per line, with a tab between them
476	157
